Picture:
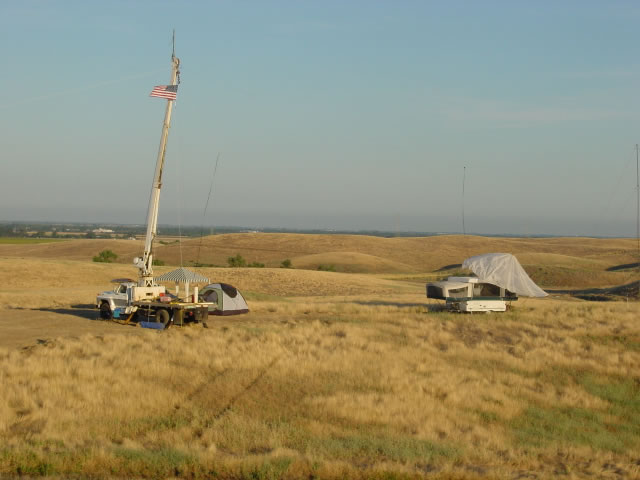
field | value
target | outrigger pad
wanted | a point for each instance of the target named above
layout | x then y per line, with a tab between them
154	325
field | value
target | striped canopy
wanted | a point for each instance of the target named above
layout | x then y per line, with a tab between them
181	275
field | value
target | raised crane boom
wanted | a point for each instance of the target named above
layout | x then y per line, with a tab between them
145	264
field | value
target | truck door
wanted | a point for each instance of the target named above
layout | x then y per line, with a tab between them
120	297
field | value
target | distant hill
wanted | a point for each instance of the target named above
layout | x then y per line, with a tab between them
556	262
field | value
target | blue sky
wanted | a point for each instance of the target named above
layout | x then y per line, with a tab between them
332	114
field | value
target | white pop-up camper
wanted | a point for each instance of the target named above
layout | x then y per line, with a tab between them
499	279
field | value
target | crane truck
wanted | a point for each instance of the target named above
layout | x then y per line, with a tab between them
144	301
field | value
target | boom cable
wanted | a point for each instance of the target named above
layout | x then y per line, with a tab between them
204	213
613	198
179	210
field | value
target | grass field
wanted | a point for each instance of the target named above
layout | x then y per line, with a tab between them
557	262
331	375
27	241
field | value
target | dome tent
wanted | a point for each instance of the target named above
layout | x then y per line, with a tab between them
227	299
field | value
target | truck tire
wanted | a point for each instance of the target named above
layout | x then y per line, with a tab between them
105	311
163	317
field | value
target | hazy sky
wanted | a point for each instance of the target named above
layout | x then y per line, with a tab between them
326	114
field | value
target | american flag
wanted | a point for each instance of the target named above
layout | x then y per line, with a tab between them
165	91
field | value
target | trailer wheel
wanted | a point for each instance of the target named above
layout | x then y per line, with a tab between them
163	317
105	311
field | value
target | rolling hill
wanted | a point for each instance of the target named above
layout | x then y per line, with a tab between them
557	262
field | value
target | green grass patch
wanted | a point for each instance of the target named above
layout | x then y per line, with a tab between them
28	240
542	427
631	343
623	396
374	448
271	469
487	416
32	464
40	462
135	427
615	429
157	463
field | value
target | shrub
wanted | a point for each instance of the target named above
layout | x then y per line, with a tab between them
158	262
237	261
286	263
200	264
256	265
105	256
327	268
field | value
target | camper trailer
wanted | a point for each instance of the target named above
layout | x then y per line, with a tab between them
499	280
467	294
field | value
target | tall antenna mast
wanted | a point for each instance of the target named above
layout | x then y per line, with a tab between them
464	174
637	205
638	215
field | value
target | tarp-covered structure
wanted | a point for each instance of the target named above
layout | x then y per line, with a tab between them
504	270
182	276
227	299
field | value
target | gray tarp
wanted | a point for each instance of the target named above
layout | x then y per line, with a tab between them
504	270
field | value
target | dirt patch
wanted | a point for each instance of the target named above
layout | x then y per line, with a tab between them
26	327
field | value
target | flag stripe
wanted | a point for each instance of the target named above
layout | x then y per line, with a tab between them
170	92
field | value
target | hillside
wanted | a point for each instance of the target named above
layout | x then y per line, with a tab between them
553	262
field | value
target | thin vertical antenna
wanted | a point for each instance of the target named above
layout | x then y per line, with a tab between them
464	174
173	43
204	213
637	204
638	215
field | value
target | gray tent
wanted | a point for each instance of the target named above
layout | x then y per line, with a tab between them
227	299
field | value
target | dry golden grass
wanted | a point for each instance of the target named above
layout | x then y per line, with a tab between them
331	375
353	253
416	254
83	249
35	283
335	387
351	262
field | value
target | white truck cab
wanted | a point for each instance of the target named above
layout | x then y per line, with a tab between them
124	296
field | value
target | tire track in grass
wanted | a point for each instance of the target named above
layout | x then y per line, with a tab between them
245	390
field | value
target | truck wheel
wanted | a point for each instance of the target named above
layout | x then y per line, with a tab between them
105	311
163	317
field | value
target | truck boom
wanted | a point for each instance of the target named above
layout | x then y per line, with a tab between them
145	263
